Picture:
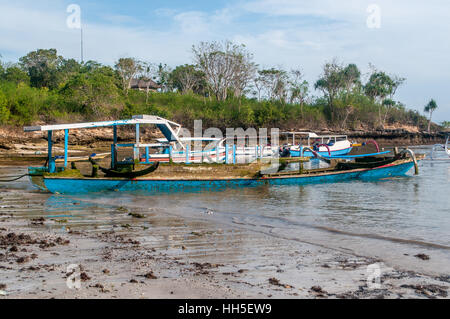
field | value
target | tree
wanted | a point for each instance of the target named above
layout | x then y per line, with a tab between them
244	71
91	93
186	78
163	77
298	88
42	67
146	75
258	85
430	108
128	68
379	87
68	68
227	66
4	111
388	105
90	65
330	83
351	77
2	69
275	83
16	75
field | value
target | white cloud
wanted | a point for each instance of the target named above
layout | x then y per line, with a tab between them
192	22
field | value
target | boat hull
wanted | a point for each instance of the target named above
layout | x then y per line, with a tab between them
63	185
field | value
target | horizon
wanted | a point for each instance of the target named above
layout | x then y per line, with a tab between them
406	40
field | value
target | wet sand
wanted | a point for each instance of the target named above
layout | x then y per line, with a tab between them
147	253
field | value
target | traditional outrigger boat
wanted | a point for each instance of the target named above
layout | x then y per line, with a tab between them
325	145
332	145
150	175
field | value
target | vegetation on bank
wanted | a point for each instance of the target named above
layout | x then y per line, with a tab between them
223	86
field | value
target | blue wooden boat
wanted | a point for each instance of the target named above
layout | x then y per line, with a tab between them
135	175
331	145
77	185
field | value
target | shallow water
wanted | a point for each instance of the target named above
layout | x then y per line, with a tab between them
387	218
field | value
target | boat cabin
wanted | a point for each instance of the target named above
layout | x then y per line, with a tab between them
309	138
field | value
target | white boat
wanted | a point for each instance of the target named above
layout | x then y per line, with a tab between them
324	145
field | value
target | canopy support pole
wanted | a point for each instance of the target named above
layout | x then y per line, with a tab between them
66	146
51	161
136	149
113	148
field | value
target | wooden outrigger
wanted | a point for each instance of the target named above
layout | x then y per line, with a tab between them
153	176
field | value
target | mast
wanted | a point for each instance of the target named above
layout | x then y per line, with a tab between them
81	29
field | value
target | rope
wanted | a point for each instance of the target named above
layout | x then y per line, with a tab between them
12	180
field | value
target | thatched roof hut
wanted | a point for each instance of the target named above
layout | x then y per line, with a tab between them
144	84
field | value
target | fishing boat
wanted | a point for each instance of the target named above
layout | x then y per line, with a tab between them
150	175
171	148
325	145
194	177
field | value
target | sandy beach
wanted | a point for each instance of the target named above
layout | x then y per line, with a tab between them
154	255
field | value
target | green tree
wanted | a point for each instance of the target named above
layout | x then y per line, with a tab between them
379	87
128	68
430	108
42	67
331	83
351	77
68	68
298	89
94	94
163	72
90	66
275	83
186	78
16	75
388	105
4	111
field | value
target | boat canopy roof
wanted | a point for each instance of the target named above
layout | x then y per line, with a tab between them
167	127
136	119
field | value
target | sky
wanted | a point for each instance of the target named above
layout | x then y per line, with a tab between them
408	38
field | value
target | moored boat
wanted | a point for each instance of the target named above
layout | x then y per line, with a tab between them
142	172
325	145
182	177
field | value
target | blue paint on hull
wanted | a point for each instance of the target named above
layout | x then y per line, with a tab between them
92	185
310	154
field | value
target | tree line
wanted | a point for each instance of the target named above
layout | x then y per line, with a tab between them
222	85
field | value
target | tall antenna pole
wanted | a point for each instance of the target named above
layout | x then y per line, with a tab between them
82	60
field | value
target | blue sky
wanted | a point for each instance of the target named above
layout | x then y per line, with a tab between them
412	41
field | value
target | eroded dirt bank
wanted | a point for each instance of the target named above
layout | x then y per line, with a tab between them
9	136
